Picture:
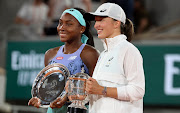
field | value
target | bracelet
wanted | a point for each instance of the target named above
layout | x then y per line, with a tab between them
104	92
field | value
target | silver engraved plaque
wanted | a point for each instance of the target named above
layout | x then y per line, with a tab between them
50	83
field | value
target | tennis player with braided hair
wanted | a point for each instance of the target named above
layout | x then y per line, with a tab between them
118	83
73	30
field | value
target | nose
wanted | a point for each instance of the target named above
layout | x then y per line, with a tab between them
60	27
96	24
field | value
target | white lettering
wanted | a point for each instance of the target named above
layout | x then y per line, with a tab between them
32	60
14	60
26	78
170	72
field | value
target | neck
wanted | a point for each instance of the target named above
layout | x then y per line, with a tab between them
115	33
70	48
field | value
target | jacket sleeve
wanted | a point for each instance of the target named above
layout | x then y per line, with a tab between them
134	73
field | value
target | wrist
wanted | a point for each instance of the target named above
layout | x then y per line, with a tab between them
104	91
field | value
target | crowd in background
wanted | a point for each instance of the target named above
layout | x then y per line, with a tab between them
39	18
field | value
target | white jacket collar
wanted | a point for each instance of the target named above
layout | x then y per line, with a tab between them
112	42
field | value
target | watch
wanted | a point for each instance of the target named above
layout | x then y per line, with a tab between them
104	92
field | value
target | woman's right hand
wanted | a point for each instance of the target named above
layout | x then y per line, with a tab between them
34	101
67	86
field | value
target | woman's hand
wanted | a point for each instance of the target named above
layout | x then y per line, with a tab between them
92	87
34	101
59	102
67	86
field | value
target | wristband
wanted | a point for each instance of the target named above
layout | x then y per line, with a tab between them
104	92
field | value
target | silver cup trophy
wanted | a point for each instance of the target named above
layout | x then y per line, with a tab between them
76	92
50	84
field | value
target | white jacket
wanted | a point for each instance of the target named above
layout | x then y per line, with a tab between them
120	65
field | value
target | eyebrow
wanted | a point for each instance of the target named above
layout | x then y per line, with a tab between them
66	20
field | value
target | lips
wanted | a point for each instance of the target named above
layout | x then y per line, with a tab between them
99	31
62	34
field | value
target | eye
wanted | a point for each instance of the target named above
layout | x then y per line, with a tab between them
69	24
60	23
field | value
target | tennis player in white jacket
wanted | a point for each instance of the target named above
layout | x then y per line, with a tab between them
118	83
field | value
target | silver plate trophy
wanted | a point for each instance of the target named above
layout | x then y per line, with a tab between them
50	84
76	92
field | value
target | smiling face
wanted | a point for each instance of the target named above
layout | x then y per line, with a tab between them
69	28
106	27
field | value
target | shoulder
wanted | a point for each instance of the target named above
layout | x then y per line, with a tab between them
89	54
45	5
50	54
89	50
24	10
26	6
127	45
132	50
52	50
132	47
128	48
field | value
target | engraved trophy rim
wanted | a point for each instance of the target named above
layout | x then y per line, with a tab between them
45	73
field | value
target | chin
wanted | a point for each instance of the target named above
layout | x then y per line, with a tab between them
63	40
101	37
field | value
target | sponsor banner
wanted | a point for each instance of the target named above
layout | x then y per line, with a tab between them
24	61
162	74
161	67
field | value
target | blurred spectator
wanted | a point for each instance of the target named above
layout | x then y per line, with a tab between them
87	6
33	16
84	4
127	6
57	7
141	17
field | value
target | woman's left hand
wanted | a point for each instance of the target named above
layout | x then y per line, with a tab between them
58	103
92	86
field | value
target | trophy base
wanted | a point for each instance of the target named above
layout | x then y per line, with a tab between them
76	110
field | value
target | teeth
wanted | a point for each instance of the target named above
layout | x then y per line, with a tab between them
61	33
99	31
